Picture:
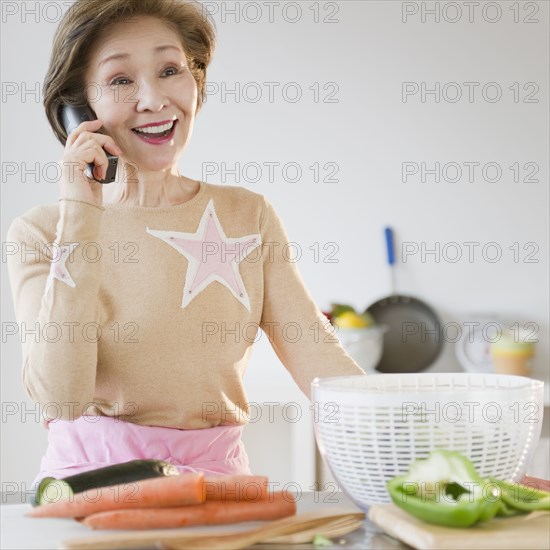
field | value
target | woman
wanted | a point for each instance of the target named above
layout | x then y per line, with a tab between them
155	284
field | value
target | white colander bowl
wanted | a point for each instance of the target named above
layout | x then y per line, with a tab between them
370	428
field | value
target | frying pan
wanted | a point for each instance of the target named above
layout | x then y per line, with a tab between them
413	339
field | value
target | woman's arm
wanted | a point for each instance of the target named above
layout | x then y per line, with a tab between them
299	333
55	293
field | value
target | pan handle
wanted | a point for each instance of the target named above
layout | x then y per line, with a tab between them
389	245
388	232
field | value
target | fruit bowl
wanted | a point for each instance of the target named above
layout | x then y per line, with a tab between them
358	333
369	429
365	345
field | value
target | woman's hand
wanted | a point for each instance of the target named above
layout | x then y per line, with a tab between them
84	146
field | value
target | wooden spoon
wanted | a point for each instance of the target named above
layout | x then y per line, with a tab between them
312	522
236	541
335	528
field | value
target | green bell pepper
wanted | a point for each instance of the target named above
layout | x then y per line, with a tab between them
522	497
445	489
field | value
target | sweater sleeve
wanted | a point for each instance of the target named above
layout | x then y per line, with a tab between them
55	292
299	333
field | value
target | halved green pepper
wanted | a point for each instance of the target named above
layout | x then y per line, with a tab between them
522	497
446	489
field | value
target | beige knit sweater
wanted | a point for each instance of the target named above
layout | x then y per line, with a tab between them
150	314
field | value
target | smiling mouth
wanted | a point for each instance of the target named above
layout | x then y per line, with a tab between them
153	132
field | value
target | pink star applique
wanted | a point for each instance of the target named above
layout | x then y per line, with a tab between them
58	268
211	256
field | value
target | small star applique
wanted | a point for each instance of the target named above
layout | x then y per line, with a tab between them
58	268
211	256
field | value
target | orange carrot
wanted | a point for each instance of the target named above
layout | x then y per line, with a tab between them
236	488
184	489
540	484
279	505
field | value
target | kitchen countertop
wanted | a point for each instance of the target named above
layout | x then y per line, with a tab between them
18	531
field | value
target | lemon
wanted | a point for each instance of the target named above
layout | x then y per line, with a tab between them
338	309
350	319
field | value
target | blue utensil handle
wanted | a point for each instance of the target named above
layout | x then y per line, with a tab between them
389	245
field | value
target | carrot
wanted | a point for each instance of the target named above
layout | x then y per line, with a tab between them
540	484
236	488
181	490
213	512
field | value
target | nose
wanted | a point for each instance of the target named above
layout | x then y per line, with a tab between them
151	96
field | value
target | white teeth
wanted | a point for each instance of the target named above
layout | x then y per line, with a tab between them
155	129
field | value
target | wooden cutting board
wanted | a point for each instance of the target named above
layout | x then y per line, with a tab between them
526	532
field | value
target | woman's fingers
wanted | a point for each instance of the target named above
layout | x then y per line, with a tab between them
103	140
88	130
87	126
85	146
90	152
112	147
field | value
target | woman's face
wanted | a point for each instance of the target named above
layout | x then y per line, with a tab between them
143	86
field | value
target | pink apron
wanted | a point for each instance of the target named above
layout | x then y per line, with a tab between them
91	442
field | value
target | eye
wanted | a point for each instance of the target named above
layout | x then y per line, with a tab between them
117	81
120	80
172	68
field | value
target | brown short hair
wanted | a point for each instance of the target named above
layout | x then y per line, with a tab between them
86	21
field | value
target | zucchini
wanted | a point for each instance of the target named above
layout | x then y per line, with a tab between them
51	489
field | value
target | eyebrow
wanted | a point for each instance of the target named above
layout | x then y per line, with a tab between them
125	55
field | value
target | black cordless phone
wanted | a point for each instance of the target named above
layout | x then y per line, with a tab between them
72	117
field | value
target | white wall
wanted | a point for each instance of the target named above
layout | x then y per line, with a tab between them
368	132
